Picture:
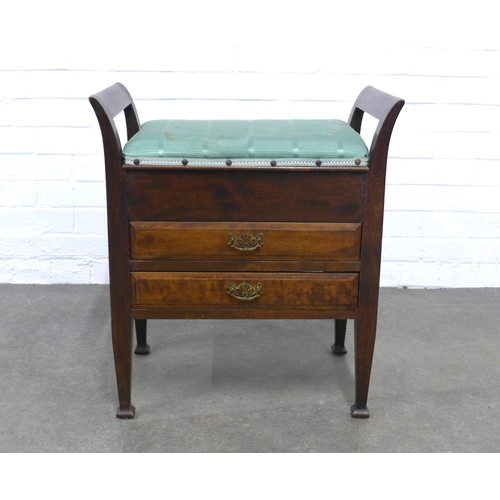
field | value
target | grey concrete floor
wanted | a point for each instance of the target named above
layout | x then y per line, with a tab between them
249	386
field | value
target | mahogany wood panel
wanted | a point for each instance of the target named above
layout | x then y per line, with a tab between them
253	196
243	313
269	290
244	241
246	266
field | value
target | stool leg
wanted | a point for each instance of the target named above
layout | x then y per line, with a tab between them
140	331
364	343
339	346
122	350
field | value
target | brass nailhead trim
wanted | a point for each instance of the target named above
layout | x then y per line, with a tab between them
184	162
137	161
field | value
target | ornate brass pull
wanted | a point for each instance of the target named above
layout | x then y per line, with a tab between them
246	242
244	291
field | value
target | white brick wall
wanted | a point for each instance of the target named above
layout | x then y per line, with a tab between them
257	59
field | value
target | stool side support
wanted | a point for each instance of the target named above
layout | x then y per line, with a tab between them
386	109
107	104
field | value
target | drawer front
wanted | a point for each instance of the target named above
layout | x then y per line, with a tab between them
274	291
244	241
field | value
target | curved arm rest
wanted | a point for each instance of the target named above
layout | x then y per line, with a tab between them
385	108
107	104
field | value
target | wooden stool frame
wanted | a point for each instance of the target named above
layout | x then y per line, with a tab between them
345	196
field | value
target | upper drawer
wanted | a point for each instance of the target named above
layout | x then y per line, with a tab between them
244	241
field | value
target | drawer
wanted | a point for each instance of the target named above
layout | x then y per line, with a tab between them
245	241
275	291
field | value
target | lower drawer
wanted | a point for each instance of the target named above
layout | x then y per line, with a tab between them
319	291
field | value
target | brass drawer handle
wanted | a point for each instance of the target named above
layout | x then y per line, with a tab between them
244	291
246	242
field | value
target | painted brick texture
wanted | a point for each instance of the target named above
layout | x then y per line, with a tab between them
275	60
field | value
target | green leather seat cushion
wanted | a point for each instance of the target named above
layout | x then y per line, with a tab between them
246	142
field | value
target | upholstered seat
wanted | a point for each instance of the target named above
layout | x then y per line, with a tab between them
246	143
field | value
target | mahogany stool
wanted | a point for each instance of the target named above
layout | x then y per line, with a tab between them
264	219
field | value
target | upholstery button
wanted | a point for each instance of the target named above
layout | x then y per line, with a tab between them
137	161
184	162
229	163
318	163
273	163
